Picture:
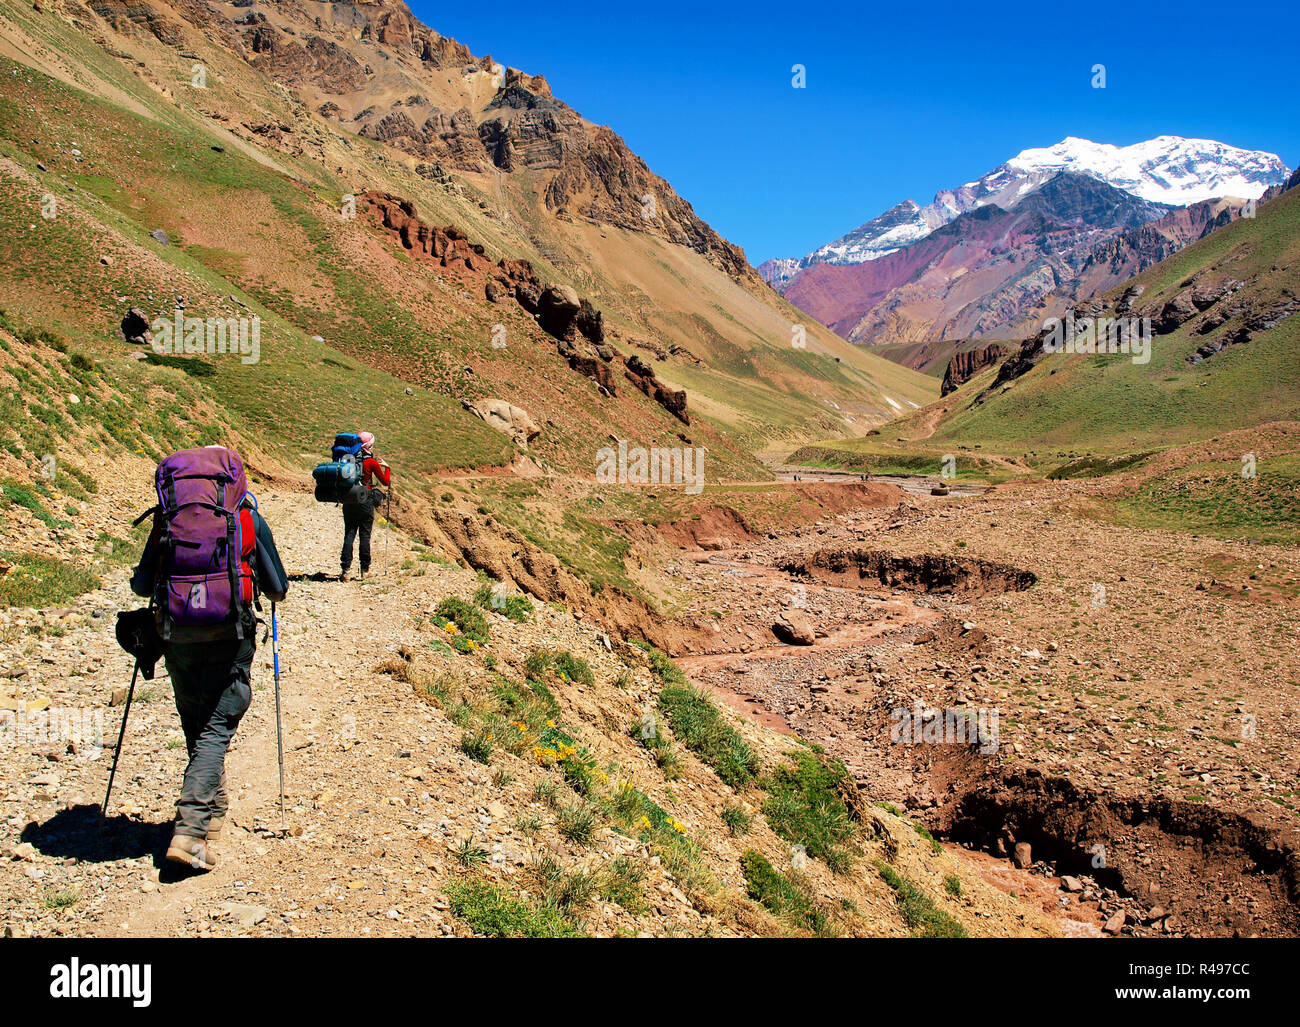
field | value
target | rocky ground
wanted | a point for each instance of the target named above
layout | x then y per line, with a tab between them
1149	665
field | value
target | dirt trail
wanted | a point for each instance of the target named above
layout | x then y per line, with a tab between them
326	667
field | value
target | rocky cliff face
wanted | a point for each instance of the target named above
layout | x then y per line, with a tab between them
572	320
375	68
967	364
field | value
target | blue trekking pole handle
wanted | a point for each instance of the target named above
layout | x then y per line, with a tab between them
275	643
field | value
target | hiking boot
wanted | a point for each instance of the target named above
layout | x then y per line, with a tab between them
363	575
215	824
192	852
345	576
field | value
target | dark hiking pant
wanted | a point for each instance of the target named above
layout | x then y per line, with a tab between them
358	516
212	682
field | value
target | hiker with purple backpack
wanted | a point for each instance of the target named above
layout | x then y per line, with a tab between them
209	557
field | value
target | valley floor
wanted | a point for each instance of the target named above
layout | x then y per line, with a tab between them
1142	692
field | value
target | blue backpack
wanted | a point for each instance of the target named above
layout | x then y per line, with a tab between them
337	477
347	443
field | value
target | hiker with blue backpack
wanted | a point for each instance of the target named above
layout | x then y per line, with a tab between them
348	478
209	558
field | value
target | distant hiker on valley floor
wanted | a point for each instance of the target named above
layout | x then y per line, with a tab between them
208	558
359	505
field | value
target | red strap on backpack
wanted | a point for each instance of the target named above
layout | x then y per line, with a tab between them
247	552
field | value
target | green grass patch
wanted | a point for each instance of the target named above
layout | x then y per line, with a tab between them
41	581
805	803
788	896
698	723
489	909
919	911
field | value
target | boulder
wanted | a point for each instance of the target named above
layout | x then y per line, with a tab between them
590	323
558	310
135	327
1022	856
1175	312
794	627
505	417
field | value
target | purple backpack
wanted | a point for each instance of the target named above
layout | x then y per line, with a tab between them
205	542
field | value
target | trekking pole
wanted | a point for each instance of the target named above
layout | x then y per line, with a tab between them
121	734
279	737
388	516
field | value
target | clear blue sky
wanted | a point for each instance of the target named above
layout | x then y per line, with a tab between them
901	100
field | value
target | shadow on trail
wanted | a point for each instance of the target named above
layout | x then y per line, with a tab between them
79	833
317	576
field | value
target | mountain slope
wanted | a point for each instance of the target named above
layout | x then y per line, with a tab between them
983	271
1223	356
254	146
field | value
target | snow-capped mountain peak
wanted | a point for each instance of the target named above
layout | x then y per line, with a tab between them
1168	169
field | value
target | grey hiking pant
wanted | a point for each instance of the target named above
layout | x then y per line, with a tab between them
212	682
358	516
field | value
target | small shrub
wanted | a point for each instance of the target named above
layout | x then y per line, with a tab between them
63	899
489	909
919	911
699	725
578	823
531	824
468	854
469	620
573	668
805	804
568	891
623	883
788	896
513	607
737	820
477	745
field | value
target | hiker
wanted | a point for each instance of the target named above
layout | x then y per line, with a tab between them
359	506
204	606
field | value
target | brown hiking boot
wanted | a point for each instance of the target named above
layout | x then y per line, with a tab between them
192	852
215	824
345	576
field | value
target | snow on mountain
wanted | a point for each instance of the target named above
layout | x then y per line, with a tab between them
1167	169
